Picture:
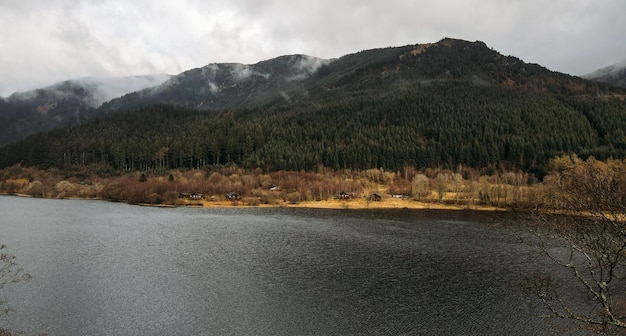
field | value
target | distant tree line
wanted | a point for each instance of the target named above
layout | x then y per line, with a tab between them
429	125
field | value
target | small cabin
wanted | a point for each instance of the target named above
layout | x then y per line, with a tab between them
193	196
274	187
375	197
343	196
232	196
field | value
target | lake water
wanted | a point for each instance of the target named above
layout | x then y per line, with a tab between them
103	268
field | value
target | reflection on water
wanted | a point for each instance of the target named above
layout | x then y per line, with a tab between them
103	268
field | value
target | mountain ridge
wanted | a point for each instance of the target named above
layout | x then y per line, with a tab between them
612	74
233	85
64	103
440	104
238	84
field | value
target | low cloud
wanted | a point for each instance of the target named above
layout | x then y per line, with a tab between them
308	65
242	71
108	88
95	91
209	72
285	95
44	42
213	88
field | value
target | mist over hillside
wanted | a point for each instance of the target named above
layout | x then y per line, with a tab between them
296	78
613	74
65	103
442	104
220	86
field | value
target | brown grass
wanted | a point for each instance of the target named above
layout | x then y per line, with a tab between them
359	203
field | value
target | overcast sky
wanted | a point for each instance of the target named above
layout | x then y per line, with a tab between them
46	41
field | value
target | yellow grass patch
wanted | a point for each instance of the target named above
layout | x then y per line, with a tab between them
18	182
357	203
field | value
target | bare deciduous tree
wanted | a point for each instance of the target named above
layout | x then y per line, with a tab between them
419	186
586	236
10	273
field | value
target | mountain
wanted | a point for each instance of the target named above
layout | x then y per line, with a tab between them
297	77
443	104
614	74
64	103
226	85
283	80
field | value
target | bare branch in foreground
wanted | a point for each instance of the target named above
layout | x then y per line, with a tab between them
586	237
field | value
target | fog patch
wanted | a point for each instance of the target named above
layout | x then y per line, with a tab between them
612	71
209	73
285	95
308	65
47	98
93	91
242	71
106	89
172	81
213	88
34	94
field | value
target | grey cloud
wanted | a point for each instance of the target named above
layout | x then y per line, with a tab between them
243	71
99	90
213	88
210	72
49	41
310	65
306	66
108	88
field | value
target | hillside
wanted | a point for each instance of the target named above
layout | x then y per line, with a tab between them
299	77
62	104
437	125
434	105
285	79
225	85
614	74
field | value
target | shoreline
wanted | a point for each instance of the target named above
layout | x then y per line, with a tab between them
354	204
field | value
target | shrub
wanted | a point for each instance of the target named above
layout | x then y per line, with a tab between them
170	197
293	197
252	201
155	198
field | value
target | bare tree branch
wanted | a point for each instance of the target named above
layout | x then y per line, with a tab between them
9	273
586	235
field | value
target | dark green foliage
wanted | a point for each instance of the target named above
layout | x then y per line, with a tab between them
437	125
614	74
440	124
297	78
439	105
60	105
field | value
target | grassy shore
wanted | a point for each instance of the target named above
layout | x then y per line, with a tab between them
391	203
371	189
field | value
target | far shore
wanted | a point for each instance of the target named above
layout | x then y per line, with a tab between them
357	203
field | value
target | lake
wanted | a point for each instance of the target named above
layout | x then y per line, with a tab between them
102	268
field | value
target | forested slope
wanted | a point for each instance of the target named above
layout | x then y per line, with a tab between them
440	124
432	105
63	104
